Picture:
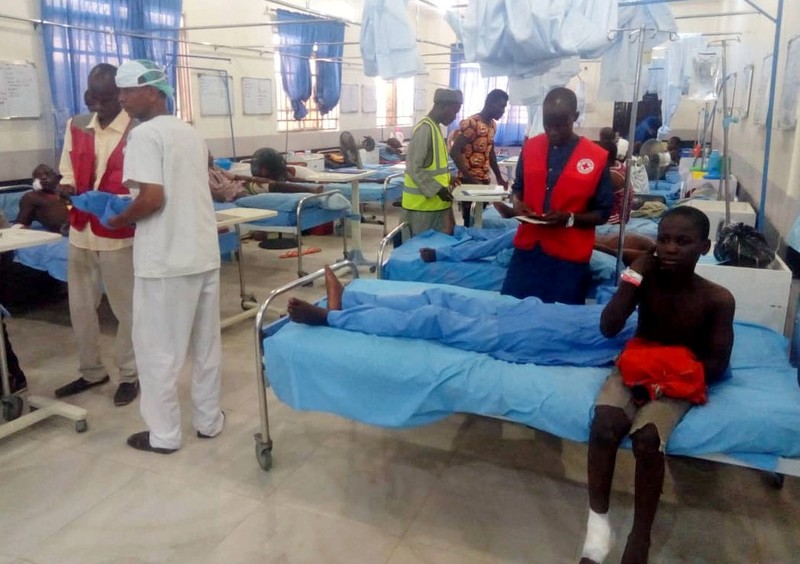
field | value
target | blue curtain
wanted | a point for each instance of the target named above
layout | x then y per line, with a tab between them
295	49
467	78
72	52
329	39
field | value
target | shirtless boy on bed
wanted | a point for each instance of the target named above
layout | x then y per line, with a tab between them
677	309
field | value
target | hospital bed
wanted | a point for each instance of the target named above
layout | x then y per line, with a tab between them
752	419
404	262
296	213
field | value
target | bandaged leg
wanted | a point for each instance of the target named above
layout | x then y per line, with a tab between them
599	538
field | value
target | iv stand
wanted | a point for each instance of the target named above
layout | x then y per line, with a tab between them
629	155
726	121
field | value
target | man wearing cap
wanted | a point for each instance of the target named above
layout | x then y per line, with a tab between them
564	189
176	286
427	200
99	257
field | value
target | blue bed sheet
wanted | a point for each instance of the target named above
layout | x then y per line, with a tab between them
400	383
483	274
381	171
311	216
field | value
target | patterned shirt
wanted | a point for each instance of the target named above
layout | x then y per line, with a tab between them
480	142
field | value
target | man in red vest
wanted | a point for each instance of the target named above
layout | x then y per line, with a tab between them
100	259
563	185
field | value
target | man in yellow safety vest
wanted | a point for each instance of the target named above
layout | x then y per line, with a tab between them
427	201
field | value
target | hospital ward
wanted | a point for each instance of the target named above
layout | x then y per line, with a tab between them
400	281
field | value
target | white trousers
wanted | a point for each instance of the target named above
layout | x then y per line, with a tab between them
88	274
174	318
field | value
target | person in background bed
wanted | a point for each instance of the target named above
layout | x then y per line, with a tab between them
427	202
228	187
562	182
473	146
91	160
45	203
684	336
674	149
176	291
391	151
616	170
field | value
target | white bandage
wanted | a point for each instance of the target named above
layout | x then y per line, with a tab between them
599	537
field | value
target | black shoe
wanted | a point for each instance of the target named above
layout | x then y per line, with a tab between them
126	393
141	441
78	386
204	436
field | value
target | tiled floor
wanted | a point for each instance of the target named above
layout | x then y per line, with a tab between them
464	491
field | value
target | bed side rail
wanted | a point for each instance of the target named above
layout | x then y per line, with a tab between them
383	197
299	235
405	231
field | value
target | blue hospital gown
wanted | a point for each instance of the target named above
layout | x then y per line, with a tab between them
520	331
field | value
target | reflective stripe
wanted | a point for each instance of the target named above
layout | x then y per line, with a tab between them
413	197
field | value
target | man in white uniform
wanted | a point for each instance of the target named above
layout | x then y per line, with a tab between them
175	259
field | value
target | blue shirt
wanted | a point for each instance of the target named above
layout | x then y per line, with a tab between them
557	157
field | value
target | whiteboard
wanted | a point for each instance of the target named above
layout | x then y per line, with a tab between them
369	102
256	96
787	109
19	90
212	95
349	99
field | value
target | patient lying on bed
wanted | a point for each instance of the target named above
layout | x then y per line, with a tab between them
520	331
227	187
492	242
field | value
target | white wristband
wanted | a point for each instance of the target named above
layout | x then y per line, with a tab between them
631	276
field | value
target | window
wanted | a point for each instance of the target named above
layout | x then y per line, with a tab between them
395	101
184	108
314	120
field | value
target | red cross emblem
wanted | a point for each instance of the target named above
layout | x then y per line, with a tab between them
585	166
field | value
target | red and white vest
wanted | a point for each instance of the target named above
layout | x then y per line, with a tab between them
573	191
83	160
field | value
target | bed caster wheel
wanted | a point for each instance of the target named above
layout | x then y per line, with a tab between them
81	426
12	407
249	302
373	269
263	453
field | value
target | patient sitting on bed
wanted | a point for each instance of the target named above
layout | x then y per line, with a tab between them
44	203
683	341
521	331
268	176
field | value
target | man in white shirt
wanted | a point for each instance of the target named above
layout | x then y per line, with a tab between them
100	259
175	259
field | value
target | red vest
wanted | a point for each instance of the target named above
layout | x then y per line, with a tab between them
83	159
574	189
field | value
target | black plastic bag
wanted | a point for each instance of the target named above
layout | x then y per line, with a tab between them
741	245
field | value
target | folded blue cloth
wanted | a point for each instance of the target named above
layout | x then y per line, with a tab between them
114	206
93	202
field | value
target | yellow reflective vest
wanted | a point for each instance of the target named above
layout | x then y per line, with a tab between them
413	198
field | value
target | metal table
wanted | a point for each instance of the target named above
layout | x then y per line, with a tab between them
480	193
10	240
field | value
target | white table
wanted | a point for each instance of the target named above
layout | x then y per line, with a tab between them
11	240
235	217
510	166
479	193
354	254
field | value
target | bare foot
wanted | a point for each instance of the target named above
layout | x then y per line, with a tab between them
504	210
318	189
427	255
304	312
333	290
